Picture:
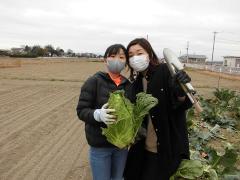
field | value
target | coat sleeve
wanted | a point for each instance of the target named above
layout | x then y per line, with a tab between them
174	92
87	100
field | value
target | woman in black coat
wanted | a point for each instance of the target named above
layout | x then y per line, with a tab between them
164	138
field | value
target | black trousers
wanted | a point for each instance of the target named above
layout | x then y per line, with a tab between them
145	165
151	169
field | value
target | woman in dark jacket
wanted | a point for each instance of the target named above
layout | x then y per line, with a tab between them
164	142
107	161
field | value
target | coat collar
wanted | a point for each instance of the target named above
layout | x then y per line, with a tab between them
150	72
106	76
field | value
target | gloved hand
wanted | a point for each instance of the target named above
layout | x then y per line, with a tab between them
180	77
104	115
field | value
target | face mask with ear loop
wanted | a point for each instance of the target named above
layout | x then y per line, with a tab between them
115	66
139	63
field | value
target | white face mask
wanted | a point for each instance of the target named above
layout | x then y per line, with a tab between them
139	63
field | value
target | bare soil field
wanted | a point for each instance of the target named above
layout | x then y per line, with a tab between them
40	134
9	62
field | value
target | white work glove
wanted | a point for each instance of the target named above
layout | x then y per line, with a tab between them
104	115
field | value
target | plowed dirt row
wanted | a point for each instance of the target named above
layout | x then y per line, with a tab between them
40	134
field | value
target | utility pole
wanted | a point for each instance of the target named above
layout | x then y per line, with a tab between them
187	50
147	36
214	37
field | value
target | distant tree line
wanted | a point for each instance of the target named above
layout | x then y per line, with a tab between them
46	51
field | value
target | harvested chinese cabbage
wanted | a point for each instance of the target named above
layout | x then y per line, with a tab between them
129	117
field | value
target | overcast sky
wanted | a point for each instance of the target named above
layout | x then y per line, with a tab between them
93	25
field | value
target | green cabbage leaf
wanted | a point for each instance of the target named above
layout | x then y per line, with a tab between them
188	169
129	117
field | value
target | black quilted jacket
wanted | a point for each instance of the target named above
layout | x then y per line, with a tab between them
94	94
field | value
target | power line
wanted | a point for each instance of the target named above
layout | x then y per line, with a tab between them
227	40
232	50
228	44
228	32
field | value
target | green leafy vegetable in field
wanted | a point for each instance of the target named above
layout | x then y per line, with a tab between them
209	144
224	164
129	117
223	109
211	167
189	169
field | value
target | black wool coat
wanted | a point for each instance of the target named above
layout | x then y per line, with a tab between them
94	94
169	121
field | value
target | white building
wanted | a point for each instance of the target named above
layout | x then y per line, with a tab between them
17	50
193	58
232	61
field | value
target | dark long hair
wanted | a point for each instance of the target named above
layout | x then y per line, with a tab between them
148	48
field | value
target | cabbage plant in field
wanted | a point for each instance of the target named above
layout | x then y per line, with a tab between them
208	161
129	117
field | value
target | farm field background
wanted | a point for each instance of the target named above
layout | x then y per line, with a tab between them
40	134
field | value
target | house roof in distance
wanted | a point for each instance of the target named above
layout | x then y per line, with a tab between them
231	56
194	56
